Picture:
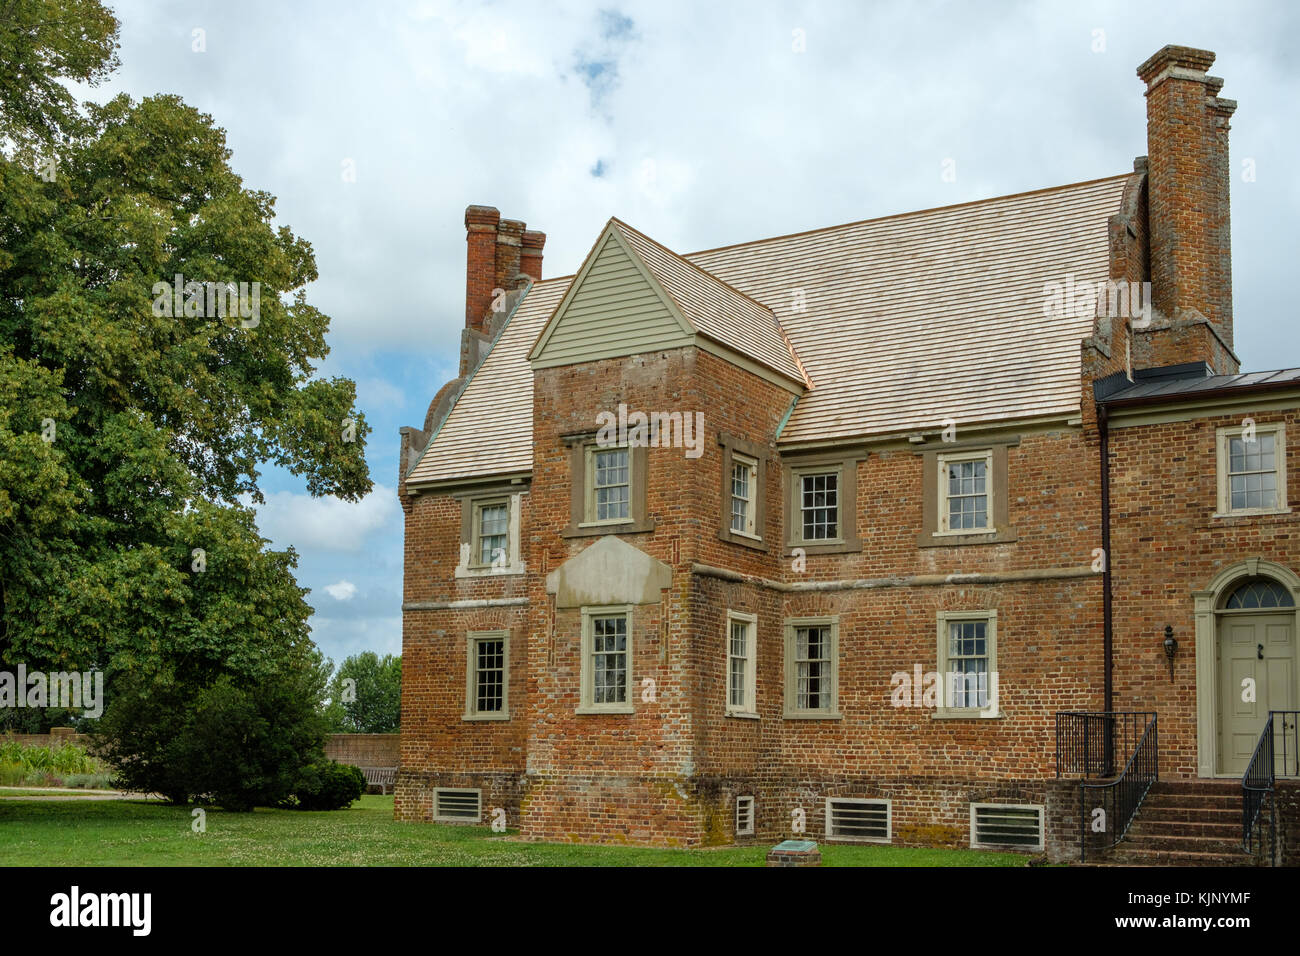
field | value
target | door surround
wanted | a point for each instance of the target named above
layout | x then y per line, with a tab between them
1207	604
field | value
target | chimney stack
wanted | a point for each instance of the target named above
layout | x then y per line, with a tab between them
530	259
481	267
498	251
510	240
1188	185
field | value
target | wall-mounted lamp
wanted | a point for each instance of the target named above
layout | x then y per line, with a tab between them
1171	648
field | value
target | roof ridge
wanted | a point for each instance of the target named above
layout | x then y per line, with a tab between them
685	256
902	215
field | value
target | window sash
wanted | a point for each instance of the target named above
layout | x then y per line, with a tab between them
965	484
739	663
812	664
611	484
489	675
609	664
1252	472
819	504
742	496
492	530
967	669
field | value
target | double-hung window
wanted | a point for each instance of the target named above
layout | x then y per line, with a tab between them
744	486
812	667
742	513
968	663
490	534
819	506
1252	470
606	660
610	485
821	502
608	491
487	666
742	655
965	493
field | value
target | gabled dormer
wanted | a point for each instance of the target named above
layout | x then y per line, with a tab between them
633	295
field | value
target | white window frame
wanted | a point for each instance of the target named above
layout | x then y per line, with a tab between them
990	492
746	799
751	503
748	707
587	678
797	475
1223	435
472	640
589	486
832	710
1012	847
990	619
889	820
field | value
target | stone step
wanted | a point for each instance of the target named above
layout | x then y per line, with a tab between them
1214	829
1128	856
1182	843
1193	801
1230	787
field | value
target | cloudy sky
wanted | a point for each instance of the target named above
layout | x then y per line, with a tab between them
700	124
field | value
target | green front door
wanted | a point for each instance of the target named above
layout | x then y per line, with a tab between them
1257	658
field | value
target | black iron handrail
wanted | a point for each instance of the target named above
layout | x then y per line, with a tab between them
1088	744
1260	778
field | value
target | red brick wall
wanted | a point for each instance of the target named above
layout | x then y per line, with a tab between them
669	772
363	750
1165	544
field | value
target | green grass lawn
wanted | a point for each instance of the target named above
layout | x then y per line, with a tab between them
51	792
138	833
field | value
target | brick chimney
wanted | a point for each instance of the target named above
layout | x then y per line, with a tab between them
1188	186
481	266
498	251
530	258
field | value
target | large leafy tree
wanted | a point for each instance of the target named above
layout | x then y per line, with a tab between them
132	435
42	44
365	695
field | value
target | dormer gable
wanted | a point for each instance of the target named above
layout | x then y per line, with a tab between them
633	295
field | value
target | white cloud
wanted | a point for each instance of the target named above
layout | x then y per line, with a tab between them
327	524
341	639
341	590
443	103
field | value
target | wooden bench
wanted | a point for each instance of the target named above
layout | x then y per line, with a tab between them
381	777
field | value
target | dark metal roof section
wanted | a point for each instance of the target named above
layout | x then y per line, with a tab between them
1193	380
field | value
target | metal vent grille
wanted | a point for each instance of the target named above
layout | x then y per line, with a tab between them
1016	826
853	819
744	816
458	806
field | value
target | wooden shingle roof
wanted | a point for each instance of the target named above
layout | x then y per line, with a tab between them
898	323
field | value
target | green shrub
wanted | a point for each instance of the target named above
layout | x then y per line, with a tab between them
328	786
233	744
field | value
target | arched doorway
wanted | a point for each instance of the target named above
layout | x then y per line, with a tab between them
1247	654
